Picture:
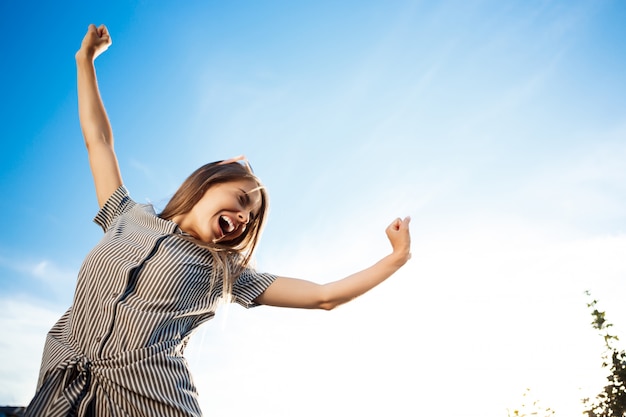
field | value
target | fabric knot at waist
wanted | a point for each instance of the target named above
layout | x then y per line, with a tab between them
65	388
77	380
69	386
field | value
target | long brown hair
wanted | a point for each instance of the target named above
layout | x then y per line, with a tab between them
231	256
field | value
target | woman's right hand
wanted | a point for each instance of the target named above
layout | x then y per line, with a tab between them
96	41
94	121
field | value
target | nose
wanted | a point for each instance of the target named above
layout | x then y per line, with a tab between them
243	217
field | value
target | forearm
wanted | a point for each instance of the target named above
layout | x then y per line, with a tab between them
352	286
94	121
298	293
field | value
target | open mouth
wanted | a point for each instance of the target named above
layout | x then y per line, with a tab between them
226	225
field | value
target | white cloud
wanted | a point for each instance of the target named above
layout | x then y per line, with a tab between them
142	168
57	279
24	324
583	186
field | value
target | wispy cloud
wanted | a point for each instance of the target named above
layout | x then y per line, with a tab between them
584	185
24	324
143	169
43	271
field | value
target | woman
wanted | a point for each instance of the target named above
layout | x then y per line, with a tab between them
141	292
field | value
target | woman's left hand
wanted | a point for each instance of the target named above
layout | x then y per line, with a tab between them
400	239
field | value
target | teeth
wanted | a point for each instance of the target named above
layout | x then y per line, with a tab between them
230	226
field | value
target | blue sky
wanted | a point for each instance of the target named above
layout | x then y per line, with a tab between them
500	127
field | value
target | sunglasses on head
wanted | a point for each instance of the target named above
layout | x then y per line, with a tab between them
241	159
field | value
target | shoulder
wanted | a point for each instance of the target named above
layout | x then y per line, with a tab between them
250	285
118	203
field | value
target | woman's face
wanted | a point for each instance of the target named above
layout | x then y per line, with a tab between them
223	212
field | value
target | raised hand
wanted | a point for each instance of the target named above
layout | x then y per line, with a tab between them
96	41
400	238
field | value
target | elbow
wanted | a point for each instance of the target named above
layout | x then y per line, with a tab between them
325	299
327	305
328	299
95	138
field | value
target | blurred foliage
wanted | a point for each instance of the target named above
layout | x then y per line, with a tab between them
530	408
611	401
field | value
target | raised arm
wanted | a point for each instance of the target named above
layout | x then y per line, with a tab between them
94	121
297	293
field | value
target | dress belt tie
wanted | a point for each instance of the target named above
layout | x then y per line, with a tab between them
77	380
71	381
69	387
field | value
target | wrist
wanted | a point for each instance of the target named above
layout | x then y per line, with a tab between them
399	258
84	57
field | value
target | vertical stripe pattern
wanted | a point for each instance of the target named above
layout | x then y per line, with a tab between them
141	292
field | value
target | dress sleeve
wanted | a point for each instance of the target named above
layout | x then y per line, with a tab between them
119	203
250	285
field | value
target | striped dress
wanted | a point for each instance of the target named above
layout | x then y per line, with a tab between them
141	292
